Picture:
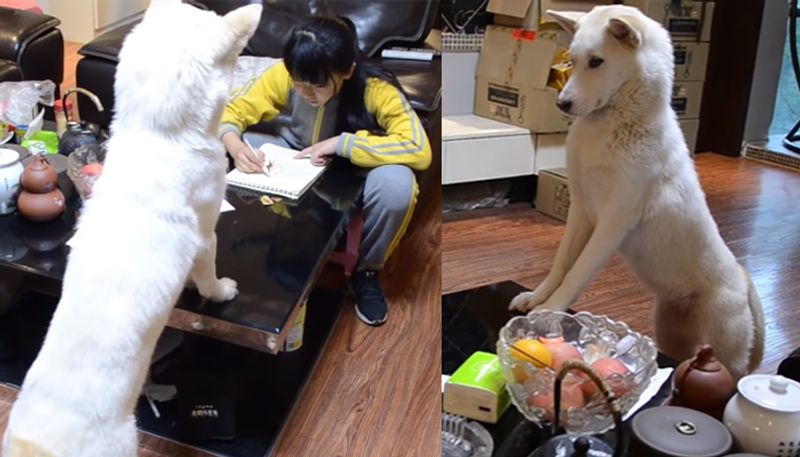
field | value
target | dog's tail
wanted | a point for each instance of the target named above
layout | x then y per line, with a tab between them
757	312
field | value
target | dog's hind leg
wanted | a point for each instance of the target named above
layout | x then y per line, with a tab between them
606	238
576	234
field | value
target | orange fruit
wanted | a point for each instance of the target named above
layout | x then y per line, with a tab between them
531	351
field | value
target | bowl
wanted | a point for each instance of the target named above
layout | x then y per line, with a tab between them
583	408
76	167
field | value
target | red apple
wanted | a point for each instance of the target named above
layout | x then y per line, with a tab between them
560	352
612	371
92	169
571	397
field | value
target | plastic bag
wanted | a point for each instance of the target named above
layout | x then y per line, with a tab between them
476	195
19	101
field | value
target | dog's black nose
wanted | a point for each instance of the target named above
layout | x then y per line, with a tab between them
564	105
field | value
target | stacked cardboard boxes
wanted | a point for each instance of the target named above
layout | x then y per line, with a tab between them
689	24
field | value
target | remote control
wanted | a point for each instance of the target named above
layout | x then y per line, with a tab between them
409	53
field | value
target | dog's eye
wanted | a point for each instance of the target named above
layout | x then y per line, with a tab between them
595	62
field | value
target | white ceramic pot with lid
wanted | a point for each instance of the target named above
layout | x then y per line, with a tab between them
10	170
764	416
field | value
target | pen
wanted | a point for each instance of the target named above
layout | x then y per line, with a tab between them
267	166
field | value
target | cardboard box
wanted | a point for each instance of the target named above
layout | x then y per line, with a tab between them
686	98
691	60
686	22
513	69
477	389
530	14
551	151
552	193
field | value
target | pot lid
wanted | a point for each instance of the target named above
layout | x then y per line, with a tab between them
774	392
8	156
674	430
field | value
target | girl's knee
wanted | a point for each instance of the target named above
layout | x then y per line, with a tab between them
391	187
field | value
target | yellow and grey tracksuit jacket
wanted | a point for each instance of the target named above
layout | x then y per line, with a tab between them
263	98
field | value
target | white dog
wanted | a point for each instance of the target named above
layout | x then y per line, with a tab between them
633	187
148	227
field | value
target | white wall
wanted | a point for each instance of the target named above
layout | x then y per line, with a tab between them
83	20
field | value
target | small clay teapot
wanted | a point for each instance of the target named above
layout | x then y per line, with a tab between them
39	176
703	384
41	207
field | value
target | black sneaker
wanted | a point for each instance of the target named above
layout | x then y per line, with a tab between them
371	306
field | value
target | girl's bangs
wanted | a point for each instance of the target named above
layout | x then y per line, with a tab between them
307	62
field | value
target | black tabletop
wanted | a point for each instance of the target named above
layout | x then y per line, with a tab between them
274	252
471	321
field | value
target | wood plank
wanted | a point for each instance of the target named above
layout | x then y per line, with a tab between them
755	206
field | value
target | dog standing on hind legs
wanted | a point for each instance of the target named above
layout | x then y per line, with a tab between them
633	188
148	227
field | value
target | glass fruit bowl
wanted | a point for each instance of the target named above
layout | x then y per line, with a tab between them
531	348
84	166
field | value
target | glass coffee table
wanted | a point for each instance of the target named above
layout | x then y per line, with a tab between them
471	321
275	253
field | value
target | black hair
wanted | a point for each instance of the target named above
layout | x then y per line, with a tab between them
320	47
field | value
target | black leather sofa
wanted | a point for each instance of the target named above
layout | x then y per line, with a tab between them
31	47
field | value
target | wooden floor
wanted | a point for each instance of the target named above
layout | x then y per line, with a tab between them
375	391
757	208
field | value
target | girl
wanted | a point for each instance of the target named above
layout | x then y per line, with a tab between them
340	105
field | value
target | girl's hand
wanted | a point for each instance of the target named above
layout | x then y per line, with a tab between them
248	160
320	153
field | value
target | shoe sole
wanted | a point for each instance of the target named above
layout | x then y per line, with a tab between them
367	321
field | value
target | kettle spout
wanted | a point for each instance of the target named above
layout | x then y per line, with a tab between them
94	98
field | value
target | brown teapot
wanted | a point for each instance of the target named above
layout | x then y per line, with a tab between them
41	207
39	176
703	384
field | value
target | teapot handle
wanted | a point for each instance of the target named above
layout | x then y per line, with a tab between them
94	98
611	400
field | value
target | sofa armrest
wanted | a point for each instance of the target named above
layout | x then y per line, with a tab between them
421	80
20	28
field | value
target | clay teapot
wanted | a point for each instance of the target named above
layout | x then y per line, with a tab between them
39	176
41	207
703	384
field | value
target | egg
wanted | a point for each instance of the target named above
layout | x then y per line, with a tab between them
531	351
611	370
571	397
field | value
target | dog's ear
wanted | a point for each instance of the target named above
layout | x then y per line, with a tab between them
624	28
568	20
243	23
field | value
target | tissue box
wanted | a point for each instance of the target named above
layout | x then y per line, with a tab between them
477	389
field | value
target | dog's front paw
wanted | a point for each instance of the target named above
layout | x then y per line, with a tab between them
525	302
224	290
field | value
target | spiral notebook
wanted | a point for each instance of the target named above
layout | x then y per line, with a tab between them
287	176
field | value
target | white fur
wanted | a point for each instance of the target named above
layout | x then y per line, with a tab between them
633	187
148	227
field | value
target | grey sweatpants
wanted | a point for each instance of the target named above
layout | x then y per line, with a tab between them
387	202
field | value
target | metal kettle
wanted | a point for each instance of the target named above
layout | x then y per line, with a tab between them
580	445
80	133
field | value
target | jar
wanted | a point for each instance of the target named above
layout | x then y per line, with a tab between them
764	416
10	171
